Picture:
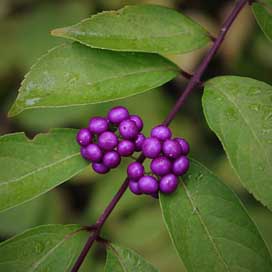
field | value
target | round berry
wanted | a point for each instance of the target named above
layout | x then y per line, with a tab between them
171	149
84	137
135	170
138	121
161	166
180	165
184	145
107	140
148	185
100	168
134	187
168	184
111	159
151	147
125	148
139	142
98	125
93	153
118	114
161	132
128	129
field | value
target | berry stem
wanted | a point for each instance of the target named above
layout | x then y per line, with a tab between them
192	84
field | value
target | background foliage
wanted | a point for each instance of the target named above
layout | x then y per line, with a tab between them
24	28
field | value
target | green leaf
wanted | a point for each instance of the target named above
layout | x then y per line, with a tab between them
48	248
125	260
73	74
144	28
29	168
264	18
239	111
210	228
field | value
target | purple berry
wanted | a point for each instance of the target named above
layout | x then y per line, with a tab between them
161	166
138	121
98	125
111	159
161	132
180	165
100	168
168	184
128	129
125	148
148	185
93	153
118	114
84	137
184	145
107	140
139	141
134	187
151	147
171	149
135	170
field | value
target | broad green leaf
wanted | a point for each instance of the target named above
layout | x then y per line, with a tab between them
73	74
29	168
239	111
264	18
125	260
48	248
210	228
144	28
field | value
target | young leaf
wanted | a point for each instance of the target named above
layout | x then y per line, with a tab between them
29	168
124	260
239	111
44	248
73	74
210	228
264	18
144	28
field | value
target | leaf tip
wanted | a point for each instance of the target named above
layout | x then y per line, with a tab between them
58	32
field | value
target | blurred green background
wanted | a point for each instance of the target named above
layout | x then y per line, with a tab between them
136	222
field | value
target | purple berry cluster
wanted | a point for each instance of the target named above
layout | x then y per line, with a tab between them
169	160
118	135
108	139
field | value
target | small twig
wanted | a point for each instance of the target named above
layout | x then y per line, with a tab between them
192	84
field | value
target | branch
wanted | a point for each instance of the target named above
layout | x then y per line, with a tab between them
192	84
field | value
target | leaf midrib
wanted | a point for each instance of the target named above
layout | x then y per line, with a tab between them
124	37
206	230
119	258
40	169
41	260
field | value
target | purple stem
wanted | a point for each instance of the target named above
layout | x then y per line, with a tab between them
192	84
